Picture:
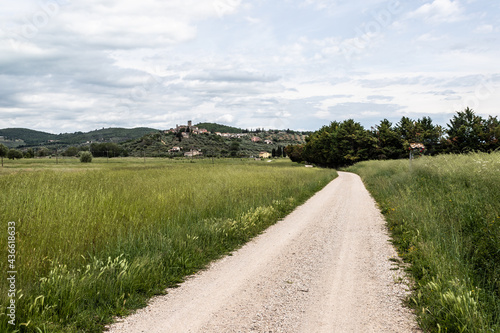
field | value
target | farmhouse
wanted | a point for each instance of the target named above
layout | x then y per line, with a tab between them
175	149
264	154
256	139
193	153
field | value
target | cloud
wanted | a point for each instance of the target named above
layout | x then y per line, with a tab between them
430	37
81	65
231	76
484	29
439	11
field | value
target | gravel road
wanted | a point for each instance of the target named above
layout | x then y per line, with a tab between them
324	268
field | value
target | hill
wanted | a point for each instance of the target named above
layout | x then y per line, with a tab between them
213	127
22	136
159	144
19	136
106	135
152	142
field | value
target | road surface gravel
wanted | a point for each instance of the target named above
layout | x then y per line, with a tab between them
324	268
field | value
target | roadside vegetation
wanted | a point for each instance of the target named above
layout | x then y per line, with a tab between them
344	143
95	240
444	216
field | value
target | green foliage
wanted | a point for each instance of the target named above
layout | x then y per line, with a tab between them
107	149
213	127
234	148
14	154
342	144
29	153
339	144
159	144
99	242
465	131
3	152
71	151
295	153
444	215
85	157
389	144
42	152
31	137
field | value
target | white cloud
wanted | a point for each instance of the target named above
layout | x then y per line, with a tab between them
484	29
440	11
323	115
429	37
249	64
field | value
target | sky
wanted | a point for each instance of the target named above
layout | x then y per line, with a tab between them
75	65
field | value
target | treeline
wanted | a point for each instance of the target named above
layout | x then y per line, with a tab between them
35	138
345	143
107	149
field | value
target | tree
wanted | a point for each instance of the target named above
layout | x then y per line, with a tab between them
295	152
43	152
30	153
490	135
71	151
234	148
279	152
273	152
429	134
14	154
3	152
407	131
85	157
464	131
339	144
106	149
389	145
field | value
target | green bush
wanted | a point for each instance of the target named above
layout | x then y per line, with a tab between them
85	157
14	154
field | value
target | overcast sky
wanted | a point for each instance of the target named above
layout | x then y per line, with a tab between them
75	65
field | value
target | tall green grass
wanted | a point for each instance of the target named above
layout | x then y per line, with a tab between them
94	243
444	214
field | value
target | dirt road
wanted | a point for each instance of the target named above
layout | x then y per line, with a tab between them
324	268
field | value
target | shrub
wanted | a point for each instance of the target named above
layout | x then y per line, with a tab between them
14	154
85	157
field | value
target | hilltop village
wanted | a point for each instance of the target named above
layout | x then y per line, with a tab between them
213	140
200	140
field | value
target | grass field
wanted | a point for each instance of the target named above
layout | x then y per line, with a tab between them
96	240
444	214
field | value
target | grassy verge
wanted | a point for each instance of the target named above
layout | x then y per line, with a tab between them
98	240
444	215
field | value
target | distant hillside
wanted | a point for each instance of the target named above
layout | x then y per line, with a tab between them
159	144
105	135
27	136
30	137
213	127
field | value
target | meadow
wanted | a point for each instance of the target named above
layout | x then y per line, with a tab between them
444	216
97	240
